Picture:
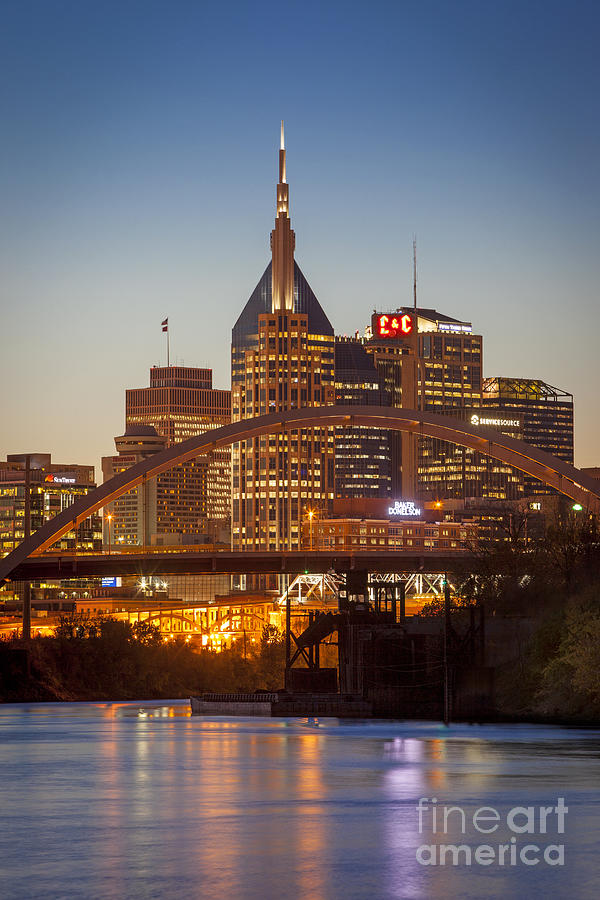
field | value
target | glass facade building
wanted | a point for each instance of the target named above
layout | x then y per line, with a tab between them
450	472
547	416
363	465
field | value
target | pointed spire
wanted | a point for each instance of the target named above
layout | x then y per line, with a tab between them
282	241
282	161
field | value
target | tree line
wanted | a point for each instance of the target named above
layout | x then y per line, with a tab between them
103	658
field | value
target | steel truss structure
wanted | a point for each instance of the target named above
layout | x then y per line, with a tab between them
416	584
322	591
313	591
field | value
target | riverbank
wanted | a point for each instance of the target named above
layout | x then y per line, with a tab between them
112	660
50	670
552	675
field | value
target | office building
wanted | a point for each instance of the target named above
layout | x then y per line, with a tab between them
428	361
135	515
144	516
347	534
390	341
362	455
179	403
450	471
592	471
50	488
546	413
282	357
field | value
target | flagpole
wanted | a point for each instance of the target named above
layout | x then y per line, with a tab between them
165	327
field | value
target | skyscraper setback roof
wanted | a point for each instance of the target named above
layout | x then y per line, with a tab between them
305	302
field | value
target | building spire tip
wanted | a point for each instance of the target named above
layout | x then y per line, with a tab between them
282	137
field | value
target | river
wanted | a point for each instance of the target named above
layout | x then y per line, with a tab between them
128	800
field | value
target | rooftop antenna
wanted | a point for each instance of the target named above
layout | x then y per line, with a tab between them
415	270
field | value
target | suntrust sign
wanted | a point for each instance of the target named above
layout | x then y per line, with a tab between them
61	479
498	423
404	508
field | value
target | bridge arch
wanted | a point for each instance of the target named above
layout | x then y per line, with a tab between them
552	471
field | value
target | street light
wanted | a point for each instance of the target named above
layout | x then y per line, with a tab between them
311	514
108	519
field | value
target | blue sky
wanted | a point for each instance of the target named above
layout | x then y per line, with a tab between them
138	167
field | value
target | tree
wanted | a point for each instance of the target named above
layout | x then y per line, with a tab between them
146	633
572	550
571	677
437	606
270	662
78	626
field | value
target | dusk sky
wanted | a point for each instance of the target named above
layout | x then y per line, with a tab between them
138	171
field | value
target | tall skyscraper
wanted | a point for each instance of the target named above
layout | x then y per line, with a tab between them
179	403
282	357
429	361
391	341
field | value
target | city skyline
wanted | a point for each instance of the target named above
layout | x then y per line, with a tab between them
299	467
99	247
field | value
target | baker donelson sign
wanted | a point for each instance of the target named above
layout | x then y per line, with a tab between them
404	508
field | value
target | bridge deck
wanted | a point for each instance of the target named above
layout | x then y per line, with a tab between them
224	562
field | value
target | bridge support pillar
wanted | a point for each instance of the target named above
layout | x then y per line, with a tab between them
27	611
288	638
402	592
447	627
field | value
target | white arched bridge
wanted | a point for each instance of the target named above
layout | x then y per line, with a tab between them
552	471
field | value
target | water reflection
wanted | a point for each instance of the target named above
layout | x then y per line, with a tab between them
127	799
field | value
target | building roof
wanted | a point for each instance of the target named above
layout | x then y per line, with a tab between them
305	302
523	389
136	430
435	315
432	314
351	358
36	460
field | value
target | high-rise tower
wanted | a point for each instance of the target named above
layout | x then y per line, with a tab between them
282	358
193	497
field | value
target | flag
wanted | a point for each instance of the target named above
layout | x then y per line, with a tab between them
165	324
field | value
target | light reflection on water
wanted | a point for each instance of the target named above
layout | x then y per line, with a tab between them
126	800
